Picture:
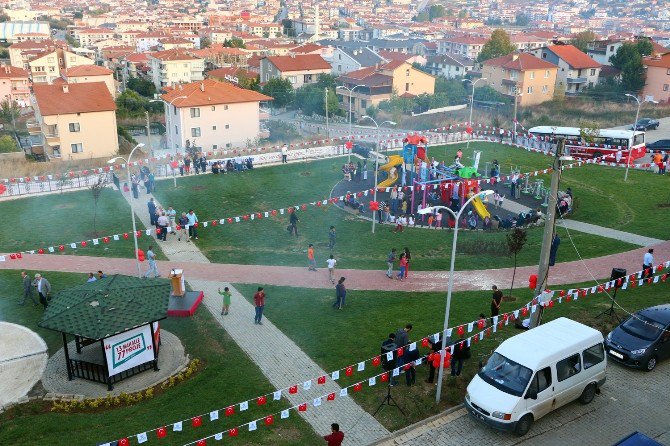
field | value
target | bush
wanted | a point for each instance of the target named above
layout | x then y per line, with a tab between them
8	144
282	131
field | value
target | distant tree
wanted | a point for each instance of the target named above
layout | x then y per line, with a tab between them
327	81
234	43
8	144
489	94
629	60
71	41
130	104
205	42
142	86
582	39
78	15
9	111
4	17
463	13
493	21
280	89
436	11
248	82
372	111
311	99
522	19
282	131
4	53
423	16
644	46
516	240
96	190
498	45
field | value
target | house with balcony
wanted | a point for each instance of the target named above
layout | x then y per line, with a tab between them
212	115
466	46
74	121
14	85
299	69
522	74
450	66
657	84
345	60
173	67
91	73
576	70
46	67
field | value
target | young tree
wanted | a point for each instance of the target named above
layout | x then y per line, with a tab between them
8	144
522	19
582	39
516	239
205	42
280	89
629	60
498	45
9	111
96	190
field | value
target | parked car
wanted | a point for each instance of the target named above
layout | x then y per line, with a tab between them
645	124
661	144
641	340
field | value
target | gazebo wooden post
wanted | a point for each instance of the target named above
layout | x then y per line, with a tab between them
108	378
153	343
67	357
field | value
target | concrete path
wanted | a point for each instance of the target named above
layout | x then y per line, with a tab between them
23	357
277	356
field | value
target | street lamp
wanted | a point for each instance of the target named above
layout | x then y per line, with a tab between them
351	93
132	212
379	147
168	125
472	103
637	116
456	216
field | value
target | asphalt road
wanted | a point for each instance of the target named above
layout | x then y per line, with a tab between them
663	131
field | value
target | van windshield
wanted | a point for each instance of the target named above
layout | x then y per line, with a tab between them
505	374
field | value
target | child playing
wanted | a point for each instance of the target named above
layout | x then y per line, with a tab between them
403	266
331	268
226	300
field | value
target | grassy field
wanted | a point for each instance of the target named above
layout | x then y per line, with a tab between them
52	220
336	339
228	377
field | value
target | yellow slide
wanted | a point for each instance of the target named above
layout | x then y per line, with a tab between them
394	161
480	208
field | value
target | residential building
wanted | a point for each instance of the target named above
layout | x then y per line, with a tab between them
602	50
532	78
14	85
469	47
576	70
91	73
175	67
449	66
22	52
298	69
345	60
46	67
657	85
212	115
9	30
88	37
75	121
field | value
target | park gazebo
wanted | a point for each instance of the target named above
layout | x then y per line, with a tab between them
114	322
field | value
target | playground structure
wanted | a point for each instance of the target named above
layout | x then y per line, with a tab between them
392	169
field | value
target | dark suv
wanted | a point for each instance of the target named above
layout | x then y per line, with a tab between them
641	340
661	144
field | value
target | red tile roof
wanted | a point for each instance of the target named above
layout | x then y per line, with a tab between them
660	62
174	54
300	62
573	56
211	92
8	71
88	70
307	48
520	62
79	98
221	73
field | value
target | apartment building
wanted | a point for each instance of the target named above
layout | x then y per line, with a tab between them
14	85
91	73
173	67
576	70
449	66
532	78
46	67
298	69
469	47
657	85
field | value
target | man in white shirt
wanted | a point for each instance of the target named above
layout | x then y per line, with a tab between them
43	289
648	263
331	268
172	215
284	154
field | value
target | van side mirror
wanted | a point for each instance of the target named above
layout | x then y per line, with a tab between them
531	394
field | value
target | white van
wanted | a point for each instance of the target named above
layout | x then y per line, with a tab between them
535	372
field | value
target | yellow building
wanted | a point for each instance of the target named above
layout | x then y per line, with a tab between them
91	73
533	79
46	67
75	121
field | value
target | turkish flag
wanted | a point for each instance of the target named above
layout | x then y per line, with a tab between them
230	410
302	407
376	361
349	371
321	380
202	442
261	400
358	387
196	421
269	420
293	390
161	432
233	432
330	397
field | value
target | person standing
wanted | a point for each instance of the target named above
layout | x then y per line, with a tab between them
192	220
435	347
403	266
310	258
163	223
331	268
293	223
183	225
336	437
259	303
226	300
340	294
332	238
152	211
402	340
116	181
648	263
284	154
172	216
461	353
27	289
43	289
408	258
389	262
153	268
135	184
496	300
555	242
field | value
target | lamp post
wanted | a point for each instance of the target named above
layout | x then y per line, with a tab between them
167	125
132	212
637	116
379	147
456	216
472	103
351	93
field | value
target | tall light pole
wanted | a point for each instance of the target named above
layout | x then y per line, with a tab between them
351	94
517	95
132	212
456	216
637	116
326	102
472	104
379	147
167	130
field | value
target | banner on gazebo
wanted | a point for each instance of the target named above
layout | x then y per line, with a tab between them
129	349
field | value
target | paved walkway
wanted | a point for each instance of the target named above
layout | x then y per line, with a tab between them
622	408
277	356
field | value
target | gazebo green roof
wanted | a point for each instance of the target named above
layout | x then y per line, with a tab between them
108	306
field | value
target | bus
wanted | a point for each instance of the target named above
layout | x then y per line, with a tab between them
605	144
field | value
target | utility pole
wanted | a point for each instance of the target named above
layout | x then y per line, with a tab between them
151	150
516	96
549	230
326	102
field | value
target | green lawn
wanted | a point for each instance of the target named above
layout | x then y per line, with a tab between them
267	242
228	377
335	339
52	220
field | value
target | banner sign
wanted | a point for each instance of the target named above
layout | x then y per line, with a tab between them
129	349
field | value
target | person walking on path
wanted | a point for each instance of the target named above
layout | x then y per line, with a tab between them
293	223
332	238
259	303
43	289
284	154
183	227
403	266
389	262
27	289
135	184
310	258
331	268
172	216
496	300
340	294
336	437
153	268
648	263
226	300
192	220
152	211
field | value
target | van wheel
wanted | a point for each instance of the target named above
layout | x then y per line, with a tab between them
588	394
523	425
651	364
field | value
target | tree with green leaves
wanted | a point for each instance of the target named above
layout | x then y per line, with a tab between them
234	43
8	144
248	82
205	42
130	104
9	111
522	19
311	99
436	11
581	40
280	89
628	59
498	45
142	86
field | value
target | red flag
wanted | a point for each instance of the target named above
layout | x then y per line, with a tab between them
124	442
349	371
261	400
202	442
196	421
424	342
376	361
161	432
358	387
269	420
321	380
230	410
293	389
302	407
233	432
331	397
